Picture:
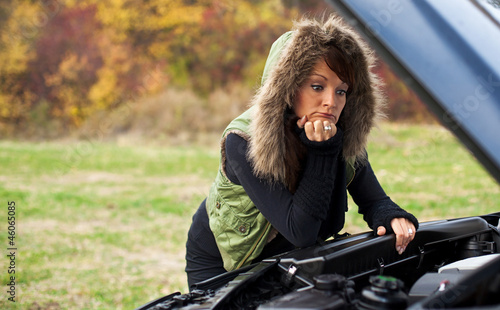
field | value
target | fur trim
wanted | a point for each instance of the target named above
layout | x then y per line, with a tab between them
309	42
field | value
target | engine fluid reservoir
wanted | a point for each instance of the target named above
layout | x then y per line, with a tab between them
383	293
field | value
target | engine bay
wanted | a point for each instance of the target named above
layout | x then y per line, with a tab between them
449	264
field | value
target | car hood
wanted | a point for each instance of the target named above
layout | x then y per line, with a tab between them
447	51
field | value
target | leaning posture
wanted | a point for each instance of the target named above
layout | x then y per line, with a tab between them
289	161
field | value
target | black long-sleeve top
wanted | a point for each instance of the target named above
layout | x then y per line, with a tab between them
317	209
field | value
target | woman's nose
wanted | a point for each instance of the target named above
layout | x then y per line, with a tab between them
329	100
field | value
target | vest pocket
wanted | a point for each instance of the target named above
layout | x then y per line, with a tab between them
228	218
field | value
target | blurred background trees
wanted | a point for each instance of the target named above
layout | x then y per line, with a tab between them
155	67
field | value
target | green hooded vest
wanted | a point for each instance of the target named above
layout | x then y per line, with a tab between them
240	230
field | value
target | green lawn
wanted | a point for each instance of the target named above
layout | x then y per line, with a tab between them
103	226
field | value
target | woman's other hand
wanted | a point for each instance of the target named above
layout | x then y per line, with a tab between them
318	130
404	231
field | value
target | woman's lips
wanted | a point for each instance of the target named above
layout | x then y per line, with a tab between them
326	115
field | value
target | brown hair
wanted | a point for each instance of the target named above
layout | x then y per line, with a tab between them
340	63
290	64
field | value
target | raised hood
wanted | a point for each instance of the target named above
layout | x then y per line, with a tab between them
448	52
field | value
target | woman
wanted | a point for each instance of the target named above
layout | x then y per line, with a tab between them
287	162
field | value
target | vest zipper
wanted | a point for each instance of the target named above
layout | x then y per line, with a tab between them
353	175
253	248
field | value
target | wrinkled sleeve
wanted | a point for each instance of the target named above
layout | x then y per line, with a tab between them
297	216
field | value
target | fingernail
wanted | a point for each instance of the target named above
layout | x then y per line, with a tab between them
398	249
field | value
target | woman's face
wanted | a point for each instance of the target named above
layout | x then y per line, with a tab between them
322	96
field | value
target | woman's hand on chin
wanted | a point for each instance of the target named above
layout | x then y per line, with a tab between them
317	130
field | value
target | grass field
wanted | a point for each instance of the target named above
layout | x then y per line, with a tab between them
103	225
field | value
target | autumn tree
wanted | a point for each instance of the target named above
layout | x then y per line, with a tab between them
18	24
63	61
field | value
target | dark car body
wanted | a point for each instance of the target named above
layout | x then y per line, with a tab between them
365	272
448	52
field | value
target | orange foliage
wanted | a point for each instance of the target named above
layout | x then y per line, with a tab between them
66	61
403	104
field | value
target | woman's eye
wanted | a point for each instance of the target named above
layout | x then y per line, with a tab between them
341	92
317	87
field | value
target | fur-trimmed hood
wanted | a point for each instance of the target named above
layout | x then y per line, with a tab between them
290	62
